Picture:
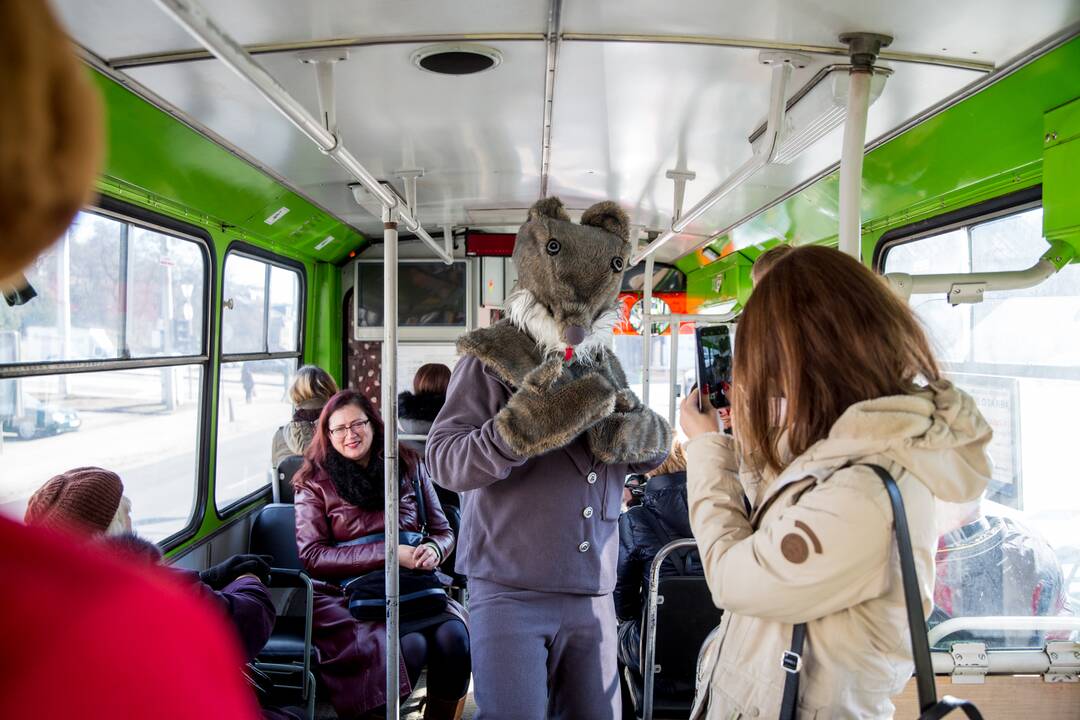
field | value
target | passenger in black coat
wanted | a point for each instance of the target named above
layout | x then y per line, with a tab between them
662	516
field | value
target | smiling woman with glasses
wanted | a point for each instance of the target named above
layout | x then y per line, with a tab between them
356	428
339	533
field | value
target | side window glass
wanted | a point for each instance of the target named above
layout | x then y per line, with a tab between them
109	291
261	352
243	315
1014	552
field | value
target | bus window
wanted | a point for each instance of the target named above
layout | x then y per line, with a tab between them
131	297
412	356
628	348
1018	354
261	351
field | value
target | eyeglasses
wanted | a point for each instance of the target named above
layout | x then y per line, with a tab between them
356	428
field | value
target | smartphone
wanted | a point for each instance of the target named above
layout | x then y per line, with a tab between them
715	356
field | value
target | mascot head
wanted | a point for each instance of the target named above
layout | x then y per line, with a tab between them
569	275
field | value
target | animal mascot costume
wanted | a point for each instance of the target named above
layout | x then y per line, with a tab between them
539	431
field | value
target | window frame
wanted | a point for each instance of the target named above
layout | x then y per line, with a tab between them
130	214
271	259
969	216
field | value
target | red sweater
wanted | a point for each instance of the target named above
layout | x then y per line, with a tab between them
85	635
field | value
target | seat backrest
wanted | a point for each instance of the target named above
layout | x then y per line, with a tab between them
683	620
283	489
274	533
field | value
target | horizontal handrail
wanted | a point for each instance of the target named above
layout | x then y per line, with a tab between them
953	284
941	631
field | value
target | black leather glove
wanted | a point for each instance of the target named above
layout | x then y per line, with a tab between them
220	575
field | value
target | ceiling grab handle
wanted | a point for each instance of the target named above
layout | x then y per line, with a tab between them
781	73
864	48
190	15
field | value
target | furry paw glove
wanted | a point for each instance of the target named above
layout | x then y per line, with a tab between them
632	433
552	407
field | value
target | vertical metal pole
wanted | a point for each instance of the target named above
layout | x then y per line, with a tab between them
851	162
390	453
676	326
646	330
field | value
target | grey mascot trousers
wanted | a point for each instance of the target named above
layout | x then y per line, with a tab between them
540	655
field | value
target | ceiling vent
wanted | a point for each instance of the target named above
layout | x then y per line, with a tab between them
456	58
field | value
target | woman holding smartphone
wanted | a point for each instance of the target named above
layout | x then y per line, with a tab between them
831	371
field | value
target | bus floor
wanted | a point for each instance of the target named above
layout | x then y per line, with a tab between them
411	709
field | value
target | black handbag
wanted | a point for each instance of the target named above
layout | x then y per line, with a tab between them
421	593
930	708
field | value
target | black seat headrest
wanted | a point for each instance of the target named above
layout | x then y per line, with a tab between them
273	533
283	489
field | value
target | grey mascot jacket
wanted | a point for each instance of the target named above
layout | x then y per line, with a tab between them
548	523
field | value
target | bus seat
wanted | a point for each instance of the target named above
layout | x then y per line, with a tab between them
283	475
288	656
685	615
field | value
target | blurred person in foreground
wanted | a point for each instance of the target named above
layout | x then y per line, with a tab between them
172	657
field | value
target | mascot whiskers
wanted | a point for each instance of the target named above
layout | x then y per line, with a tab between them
539	431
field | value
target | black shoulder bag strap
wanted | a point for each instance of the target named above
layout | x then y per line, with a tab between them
418	488
930	708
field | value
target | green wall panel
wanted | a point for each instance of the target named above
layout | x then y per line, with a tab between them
986	146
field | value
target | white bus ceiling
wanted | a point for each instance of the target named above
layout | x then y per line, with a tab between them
640	88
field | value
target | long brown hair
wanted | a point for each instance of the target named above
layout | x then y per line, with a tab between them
823	332
316	453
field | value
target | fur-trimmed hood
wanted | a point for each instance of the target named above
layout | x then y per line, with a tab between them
420	406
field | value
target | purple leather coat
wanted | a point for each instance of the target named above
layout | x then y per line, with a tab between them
352	654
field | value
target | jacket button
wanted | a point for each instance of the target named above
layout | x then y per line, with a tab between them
591	478
583	547
587	512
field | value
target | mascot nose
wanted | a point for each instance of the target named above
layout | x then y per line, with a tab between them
574	335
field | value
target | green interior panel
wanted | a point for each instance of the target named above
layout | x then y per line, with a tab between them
986	146
142	140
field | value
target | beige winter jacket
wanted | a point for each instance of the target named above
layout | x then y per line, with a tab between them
819	548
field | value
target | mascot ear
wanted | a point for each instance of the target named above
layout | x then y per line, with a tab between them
550	207
608	216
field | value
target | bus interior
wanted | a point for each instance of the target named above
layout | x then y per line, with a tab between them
276	169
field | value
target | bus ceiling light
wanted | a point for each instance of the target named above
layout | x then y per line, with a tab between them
457	58
817	109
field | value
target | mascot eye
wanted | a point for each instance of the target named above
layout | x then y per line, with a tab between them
553	247
617	264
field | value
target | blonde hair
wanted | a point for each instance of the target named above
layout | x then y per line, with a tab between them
51	133
822	332
312	383
675	462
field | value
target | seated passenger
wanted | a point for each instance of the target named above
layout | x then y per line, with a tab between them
418	409
311	388
824	335
339	501
990	565
91	501
661	517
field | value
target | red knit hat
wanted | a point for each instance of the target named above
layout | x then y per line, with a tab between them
85	498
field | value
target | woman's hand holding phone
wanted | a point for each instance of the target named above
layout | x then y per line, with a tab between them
696	421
